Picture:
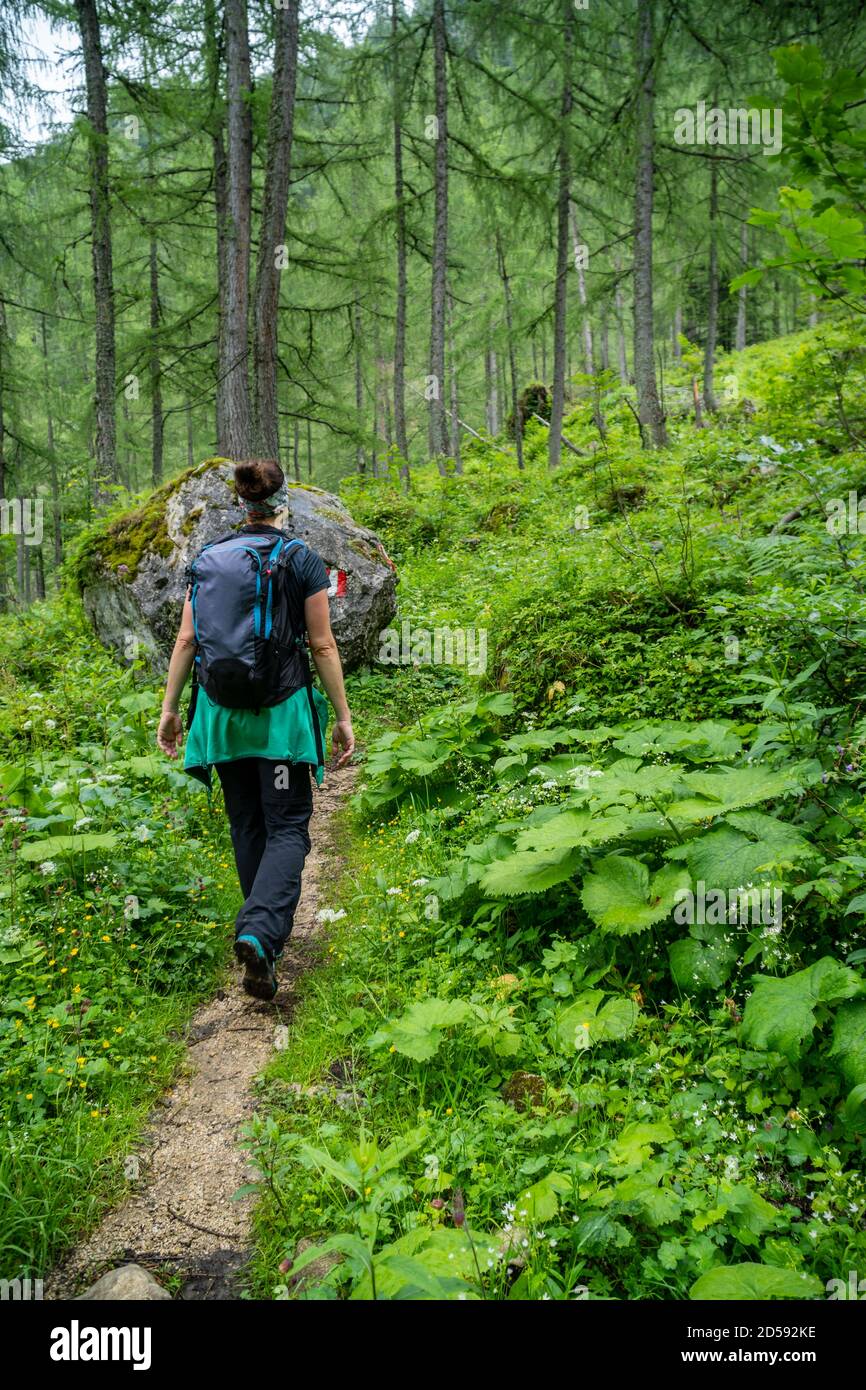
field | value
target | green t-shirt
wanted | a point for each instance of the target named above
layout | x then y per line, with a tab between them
282	733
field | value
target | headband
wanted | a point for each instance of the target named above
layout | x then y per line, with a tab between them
273	503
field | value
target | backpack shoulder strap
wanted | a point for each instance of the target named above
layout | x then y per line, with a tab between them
287	566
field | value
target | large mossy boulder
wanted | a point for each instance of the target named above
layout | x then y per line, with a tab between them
131	572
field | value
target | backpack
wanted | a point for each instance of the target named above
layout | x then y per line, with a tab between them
247	612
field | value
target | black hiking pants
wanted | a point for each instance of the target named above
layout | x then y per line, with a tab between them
269	805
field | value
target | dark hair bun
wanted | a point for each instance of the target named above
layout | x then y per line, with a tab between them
257	478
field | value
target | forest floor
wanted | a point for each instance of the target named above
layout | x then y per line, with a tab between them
181	1222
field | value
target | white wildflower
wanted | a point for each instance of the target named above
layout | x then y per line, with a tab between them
412	837
327	914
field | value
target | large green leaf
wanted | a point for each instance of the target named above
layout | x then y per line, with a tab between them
426	1265
785	841
726	858
527	872
656	1205
418	1033
703	959
708	741
574	830
66	844
583	1023
626	779
720	792
780	1013
621	897
541	1201
849	1042
633	1144
755	1281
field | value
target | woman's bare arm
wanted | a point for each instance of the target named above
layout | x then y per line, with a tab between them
326	659
170	732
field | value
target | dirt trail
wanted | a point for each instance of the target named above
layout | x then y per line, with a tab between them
180	1216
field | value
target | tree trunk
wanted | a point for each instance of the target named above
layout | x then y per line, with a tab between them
742	293
560	327
712	293
190	439
272	233
604	344
234	371
577	247
100	230
491	375
125	471
218	152
400	228
52	457
359	383
512	361
157	419
21	569
454	400
438	422
676	330
39	571
4	592
653	432
622	360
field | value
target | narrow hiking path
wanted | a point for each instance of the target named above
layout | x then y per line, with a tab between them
179	1218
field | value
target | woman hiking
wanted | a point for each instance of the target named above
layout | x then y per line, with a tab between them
255	599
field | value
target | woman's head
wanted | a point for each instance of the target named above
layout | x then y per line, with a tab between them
261	487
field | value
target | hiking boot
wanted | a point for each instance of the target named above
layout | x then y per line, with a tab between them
260	978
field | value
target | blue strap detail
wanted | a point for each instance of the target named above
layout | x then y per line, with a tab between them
272	559
192	598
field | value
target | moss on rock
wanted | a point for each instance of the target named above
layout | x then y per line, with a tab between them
117	543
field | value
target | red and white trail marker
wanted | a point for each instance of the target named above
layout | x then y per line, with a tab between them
336	582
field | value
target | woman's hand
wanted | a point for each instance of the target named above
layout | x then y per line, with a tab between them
170	732
343	736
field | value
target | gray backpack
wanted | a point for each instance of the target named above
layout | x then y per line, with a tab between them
248	614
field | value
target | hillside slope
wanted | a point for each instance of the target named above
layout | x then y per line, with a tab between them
597	976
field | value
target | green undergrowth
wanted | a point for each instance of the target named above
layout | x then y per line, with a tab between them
117	894
594	1019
